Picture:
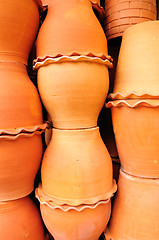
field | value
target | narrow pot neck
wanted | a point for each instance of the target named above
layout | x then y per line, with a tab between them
63	4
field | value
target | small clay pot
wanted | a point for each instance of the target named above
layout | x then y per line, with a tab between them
135	124
73	98
137	70
76	168
84	222
120	15
20	160
19	23
20	104
70	27
20	220
135	214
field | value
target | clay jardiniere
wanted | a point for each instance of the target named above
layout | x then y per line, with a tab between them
77	168
73	89
137	69
20	104
84	222
19	23
135	213
135	124
20	220
20	160
70	27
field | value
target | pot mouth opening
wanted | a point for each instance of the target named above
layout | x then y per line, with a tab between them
65	207
12	132
77	202
133	103
132	95
74	57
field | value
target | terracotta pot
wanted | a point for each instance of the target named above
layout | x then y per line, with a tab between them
135	124
48	132
84	222
19	22
20	104
120	15
20	159
77	168
72	97
135	65
135	214
68	28
20	220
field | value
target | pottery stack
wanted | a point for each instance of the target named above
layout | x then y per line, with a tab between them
135	115
121	14
20	122
73	82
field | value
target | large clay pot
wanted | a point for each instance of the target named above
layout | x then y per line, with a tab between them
135	124
20	159
77	168
120	15
137	70
73	97
20	220
135	213
84	222
69	27
19	22
20	104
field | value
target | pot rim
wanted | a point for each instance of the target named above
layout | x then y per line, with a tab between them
6	137
133	103
130	95
77	202
74	57
19	130
53	205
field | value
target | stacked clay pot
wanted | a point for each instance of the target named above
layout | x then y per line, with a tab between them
135	106
73	82
20	122
121	14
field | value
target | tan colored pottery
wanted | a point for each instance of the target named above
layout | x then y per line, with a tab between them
19	22
20	104
69	27
84	222
20	220
135	124
73	98
20	159
135	214
122	14
77	168
137	70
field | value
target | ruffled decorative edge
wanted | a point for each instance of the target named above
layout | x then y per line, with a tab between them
39	62
132	95
14	137
133	103
77	202
50	203
29	129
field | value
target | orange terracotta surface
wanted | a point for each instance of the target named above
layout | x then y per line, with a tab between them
84	222
77	168
120	15
20	160
135	214
20	220
135	124
72	97
70	27
19	22
20	104
137	70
